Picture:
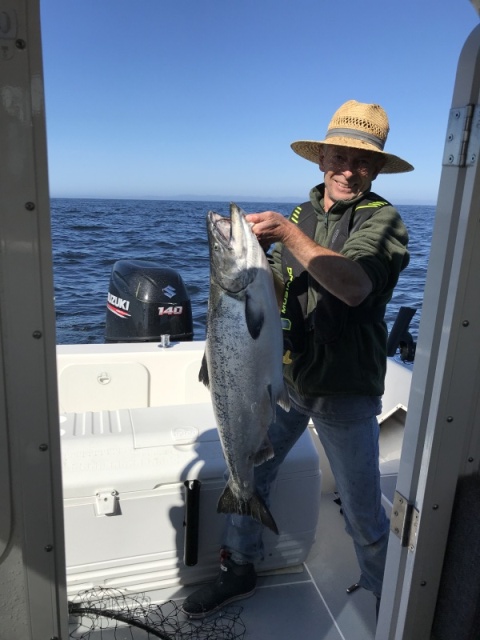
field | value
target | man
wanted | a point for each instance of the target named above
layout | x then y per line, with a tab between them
335	263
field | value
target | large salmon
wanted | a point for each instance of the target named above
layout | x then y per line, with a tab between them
242	365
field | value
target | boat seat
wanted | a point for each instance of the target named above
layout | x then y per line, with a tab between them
125	478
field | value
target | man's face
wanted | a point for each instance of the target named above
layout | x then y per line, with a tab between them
348	172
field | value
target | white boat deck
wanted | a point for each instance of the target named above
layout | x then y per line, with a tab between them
308	602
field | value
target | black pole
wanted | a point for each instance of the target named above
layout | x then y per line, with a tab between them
192	511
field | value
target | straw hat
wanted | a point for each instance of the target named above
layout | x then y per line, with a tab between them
359	125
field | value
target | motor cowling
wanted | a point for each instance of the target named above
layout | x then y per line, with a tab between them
146	301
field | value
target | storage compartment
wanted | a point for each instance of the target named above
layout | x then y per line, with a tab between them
124	475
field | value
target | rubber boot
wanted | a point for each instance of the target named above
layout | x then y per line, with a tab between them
234	582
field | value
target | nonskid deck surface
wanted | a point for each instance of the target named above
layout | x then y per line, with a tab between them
308	602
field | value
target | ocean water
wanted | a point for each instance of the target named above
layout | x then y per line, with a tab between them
90	235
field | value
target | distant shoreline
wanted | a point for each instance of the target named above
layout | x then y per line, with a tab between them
285	200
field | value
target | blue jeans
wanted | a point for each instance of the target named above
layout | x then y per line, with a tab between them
348	430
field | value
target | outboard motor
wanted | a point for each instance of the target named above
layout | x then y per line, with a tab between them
145	302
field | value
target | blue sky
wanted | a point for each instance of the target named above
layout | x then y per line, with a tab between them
200	98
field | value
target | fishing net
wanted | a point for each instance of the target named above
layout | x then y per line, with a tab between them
108	614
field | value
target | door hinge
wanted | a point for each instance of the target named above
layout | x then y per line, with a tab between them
463	137
404	521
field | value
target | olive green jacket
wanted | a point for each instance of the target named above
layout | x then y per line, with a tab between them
355	363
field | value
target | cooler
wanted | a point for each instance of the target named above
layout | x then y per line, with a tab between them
126	477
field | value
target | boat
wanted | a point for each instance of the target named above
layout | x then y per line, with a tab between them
144	403
56	493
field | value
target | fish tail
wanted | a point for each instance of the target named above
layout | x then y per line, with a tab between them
254	507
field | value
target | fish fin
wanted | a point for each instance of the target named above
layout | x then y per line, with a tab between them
254	316
254	507
265	453
284	399
203	373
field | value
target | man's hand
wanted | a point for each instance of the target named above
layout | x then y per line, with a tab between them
269	227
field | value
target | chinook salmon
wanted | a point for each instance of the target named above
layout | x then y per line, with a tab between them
242	365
